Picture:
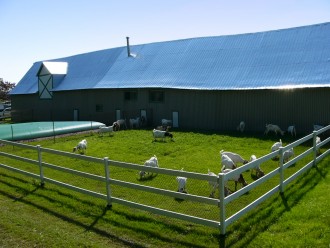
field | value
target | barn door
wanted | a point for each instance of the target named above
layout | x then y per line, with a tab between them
175	118
75	114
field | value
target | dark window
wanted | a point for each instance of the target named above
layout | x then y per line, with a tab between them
130	95
156	96
99	108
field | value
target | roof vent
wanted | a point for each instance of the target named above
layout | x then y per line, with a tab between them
128	49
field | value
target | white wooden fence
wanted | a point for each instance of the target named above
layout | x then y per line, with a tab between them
221	179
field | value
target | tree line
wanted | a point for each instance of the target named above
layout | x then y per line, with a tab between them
5	88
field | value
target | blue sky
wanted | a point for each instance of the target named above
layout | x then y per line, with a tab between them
37	30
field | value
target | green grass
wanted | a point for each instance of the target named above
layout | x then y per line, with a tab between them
55	217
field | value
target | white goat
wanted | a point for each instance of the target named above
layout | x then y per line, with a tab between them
292	130
236	158
276	146
166	122
135	122
273	128
226	162
259	172
152	162
109	129
161	134
81	147
287	155
241	126
237	178
215	186
182	181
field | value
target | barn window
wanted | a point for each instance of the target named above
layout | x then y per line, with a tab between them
130	95
99	108
156	96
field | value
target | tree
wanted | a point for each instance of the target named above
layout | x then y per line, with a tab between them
5	88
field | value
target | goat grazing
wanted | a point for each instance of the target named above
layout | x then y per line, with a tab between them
215	185
152	162
273	128
226	162
161	134
237	178
109	129
81	147
276	146
292	131
236	158
241	126
259	172
287	155
182	181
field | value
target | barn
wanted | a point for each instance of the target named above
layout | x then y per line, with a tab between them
210	83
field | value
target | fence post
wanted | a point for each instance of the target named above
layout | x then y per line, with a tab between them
281	169
107	181
314	148
222	205
41	169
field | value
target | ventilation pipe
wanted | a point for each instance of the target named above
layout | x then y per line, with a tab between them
128	49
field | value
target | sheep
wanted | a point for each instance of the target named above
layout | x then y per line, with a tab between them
121	123
135	122
241	126
152	162
287	155
274	128
81	147
227	162
166	122
161	134
259	172
215	185
292	130
109	129
237	178
276	146
236	158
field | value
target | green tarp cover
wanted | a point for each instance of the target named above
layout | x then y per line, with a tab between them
31	130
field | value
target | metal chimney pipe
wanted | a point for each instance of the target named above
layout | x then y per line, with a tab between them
128	49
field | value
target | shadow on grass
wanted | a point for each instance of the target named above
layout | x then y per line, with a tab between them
114	217
241	233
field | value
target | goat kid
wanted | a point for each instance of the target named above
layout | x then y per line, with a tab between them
152	162
236	178
241	126
109	129
81	147
292	131
273	128
161	134
215	186
259	172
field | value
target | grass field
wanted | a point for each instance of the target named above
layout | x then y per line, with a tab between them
55	217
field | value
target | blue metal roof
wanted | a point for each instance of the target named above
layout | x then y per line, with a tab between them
288	58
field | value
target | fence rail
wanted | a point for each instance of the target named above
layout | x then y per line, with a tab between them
221	179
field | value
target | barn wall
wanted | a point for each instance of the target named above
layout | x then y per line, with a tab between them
208	110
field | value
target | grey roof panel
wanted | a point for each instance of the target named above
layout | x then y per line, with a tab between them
295	57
